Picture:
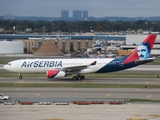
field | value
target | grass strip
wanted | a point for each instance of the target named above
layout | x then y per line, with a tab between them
153	63
143	100
77	85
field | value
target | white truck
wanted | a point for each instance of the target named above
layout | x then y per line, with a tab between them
4	97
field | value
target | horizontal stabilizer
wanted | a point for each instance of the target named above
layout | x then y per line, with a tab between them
139	62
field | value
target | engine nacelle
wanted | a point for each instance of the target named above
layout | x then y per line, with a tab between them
55	74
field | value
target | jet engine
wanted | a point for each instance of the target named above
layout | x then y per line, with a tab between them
55	74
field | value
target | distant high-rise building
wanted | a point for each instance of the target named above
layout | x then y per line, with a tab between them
64	14
9	16
85	14
77	15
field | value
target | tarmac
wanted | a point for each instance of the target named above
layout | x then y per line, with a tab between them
80	112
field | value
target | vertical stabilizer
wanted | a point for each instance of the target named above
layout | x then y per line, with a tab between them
143	51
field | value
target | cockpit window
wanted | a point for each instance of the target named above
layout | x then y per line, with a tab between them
9	64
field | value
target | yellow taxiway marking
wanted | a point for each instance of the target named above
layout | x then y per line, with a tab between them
38	94
76	89
147	82
137	90
108	95
137	115
136	119
53	119
17	88
21	81
148	96
156	115
83	81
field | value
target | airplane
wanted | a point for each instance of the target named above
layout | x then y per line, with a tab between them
60	68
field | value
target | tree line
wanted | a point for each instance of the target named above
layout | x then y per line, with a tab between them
80	26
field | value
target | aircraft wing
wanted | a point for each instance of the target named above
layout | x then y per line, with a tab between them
74	68
138	62
77	67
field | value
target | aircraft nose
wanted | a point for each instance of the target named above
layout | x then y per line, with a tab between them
4	67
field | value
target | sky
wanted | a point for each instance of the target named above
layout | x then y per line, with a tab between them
95	8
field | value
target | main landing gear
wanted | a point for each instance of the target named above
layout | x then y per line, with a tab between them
20	76
78	77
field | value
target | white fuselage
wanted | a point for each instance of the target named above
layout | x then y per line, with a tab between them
43	65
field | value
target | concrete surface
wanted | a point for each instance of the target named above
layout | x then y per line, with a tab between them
80	112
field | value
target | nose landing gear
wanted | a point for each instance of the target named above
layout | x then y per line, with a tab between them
20	76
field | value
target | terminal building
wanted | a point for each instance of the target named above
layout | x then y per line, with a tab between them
65	45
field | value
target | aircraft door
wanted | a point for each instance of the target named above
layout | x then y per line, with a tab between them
121	63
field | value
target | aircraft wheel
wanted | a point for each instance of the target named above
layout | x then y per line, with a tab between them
79	78
20	77
82	77
74	78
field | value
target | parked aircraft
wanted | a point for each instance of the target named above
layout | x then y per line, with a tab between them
59	68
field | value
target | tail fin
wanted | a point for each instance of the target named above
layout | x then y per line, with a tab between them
143	51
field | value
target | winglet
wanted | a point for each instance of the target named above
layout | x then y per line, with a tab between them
143	51
94	63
